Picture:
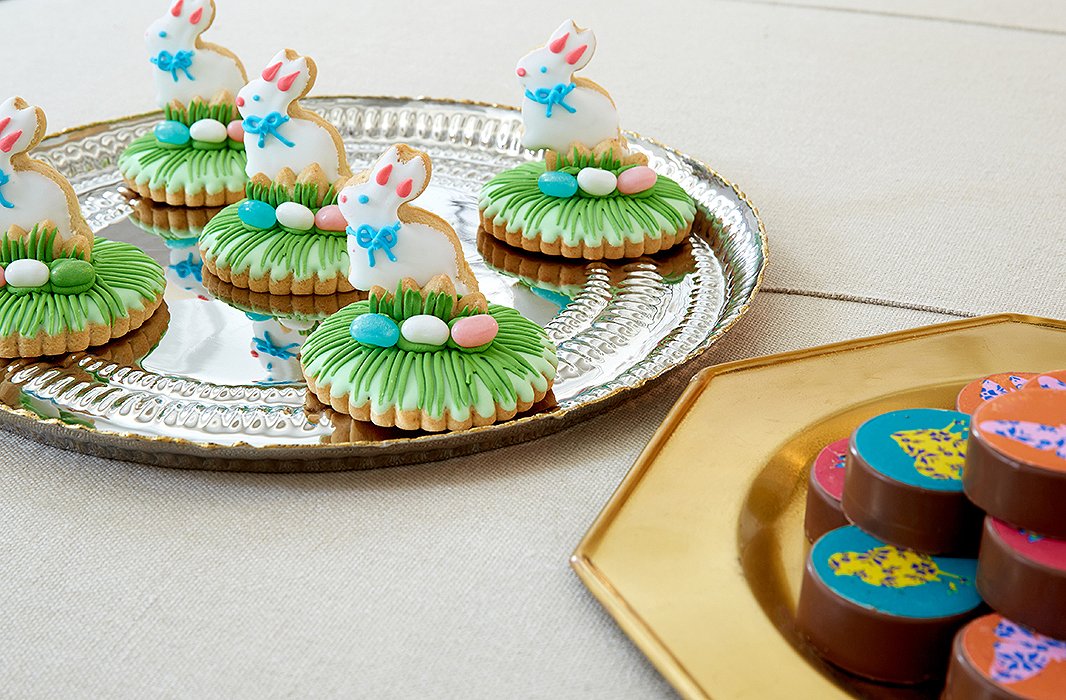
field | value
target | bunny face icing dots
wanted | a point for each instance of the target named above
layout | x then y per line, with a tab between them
278	134
388	240
557	111
184	68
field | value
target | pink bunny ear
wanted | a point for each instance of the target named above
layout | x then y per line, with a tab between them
403	190
176	10
271	72
559	44
8	142
195	17
286	81
3	123
384	174
575	55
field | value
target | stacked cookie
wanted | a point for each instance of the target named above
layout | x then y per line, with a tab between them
922	517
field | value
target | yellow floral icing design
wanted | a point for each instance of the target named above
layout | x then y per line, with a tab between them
890	567
937	453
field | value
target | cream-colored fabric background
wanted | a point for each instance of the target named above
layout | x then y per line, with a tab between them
898	152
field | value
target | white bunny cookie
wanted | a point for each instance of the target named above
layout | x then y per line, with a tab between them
557	108
388	239
592	197
186	67
33	193
60	291
194	157
279	134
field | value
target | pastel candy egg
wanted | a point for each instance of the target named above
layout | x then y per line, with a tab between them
636	180
209	131
72	272
596	181
375	329
425	329
329	218
474	331
26	273
556	183
235	130
257	214
295	216
171	132
3	280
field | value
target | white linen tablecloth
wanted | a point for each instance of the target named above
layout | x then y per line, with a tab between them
908	162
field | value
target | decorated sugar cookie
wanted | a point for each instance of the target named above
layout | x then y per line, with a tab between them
288	235
276	344
825	489
390	240
195	155
60	291
881	611
426	358
591	197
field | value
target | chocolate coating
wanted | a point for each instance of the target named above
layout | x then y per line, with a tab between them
823	513
1029	592
1013	488
966	682
935	522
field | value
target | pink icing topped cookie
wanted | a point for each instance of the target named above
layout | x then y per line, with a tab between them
829	468
1043	550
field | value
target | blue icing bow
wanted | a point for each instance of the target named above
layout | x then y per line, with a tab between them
267	346
189	267
373	239
4	179
267	126
174	62
553	96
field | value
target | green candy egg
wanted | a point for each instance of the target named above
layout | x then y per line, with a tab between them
70	273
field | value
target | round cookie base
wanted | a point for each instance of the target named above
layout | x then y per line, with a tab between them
94	334
284	286
181	198
602	251
417	419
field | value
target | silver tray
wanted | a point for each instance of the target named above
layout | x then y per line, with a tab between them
186	391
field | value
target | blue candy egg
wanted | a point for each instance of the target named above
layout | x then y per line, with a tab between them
375	329
257	214
556	183
173	133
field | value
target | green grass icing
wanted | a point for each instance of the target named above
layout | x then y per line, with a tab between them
276	251
183	168
518	363
514	200
126	279
198	110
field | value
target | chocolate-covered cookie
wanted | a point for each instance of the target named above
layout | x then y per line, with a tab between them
994	658
825	488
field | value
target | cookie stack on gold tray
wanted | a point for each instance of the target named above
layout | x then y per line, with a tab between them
909	519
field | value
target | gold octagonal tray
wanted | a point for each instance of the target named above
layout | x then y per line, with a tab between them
699	554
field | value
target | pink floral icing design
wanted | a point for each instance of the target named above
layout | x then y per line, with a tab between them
1021	654
991	389
1044	550
1040	436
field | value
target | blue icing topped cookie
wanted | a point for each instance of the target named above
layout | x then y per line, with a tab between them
864	570
924	447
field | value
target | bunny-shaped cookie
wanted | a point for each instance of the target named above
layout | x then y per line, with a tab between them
390	240
558	109
187	68
33	193
279	134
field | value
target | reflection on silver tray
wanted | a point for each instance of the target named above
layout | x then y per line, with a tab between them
220	389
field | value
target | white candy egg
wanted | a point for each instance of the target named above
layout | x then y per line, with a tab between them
596	182
425	329
295	216
26	273
209	131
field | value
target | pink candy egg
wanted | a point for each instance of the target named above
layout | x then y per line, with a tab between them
3	280
638	179
474	331
330	219
235	129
